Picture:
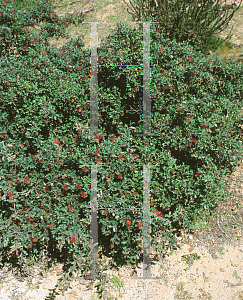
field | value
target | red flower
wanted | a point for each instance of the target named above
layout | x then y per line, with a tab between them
29	219
128	223
132	47
56	142
135	155
46	188
34	240
197	174
240	132
10	195
84	169
135	90
190	58
121	157
85	224
167	151
187	89
127	194
161	49
65	187
44	53
70	208
160	214
153	211
219	143
194	141
139	225
73	239
10	182
120	175
171	173
3	134
78	186
26	180
214	78
152	201
98	160
83	194
59	162
106	212
112	245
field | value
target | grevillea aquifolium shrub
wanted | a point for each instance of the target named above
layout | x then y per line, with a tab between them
46	158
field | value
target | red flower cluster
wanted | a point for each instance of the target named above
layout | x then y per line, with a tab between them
50	226
139	225
73	239
159	213
83	194
128	223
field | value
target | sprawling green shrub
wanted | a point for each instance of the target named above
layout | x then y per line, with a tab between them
46	157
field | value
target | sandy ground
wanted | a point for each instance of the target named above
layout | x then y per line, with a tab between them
207	278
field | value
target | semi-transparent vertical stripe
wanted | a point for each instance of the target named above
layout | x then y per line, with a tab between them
94	131
146	80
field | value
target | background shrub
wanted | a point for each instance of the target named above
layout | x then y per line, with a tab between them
195	21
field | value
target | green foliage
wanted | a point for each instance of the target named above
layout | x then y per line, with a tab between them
46	157
195	21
